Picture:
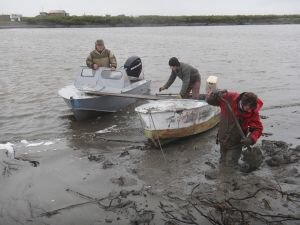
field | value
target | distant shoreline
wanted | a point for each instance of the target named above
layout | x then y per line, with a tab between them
27	26
148	21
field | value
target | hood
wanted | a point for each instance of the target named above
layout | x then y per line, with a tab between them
259	101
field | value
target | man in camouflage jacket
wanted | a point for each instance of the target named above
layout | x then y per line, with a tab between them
101	57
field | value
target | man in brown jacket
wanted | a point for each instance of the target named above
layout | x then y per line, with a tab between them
190	77
101	57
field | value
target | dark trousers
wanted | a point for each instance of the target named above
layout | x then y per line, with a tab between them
230	155
193	89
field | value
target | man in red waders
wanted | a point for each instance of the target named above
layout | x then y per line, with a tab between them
245	107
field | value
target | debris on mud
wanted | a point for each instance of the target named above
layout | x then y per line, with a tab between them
252	159
211	174
278	153
107	164
236	201
125	153
8	164
124	181
96	157
186	194
8	167
121	203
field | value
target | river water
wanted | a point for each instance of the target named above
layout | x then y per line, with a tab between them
36	63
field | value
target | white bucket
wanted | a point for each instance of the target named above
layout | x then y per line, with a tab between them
211	84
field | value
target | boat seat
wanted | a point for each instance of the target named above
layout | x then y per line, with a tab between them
109	74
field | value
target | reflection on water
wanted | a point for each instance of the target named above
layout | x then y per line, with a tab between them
263	59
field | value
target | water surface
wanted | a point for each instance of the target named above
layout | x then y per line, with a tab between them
36	63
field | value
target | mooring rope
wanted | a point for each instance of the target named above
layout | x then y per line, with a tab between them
162	151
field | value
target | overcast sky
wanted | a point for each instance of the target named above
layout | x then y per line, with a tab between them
151	7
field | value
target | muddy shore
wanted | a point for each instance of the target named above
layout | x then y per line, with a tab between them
117	180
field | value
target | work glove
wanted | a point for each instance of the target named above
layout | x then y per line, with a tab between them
161	88
247	141
179	96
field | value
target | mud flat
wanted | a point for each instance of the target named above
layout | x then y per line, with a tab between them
135	185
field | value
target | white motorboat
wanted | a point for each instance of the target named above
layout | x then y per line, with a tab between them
104	90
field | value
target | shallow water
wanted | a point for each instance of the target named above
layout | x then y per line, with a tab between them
36	63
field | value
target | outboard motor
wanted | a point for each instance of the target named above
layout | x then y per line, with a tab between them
133	66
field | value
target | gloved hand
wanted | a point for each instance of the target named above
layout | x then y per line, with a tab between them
95	66
247	141
161	89
179	96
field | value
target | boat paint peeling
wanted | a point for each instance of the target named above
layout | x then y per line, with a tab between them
175	118
154	119
182	132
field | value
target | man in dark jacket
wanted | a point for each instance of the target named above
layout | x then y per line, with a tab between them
101	57
190	77
246	108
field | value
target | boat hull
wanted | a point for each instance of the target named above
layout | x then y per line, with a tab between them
183	132
177	118
86	106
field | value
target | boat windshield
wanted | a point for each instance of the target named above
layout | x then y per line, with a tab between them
87	72
114	75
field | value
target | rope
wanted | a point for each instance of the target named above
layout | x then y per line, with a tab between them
157	137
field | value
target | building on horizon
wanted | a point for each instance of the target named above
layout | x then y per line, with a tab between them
54	13
43	14
11	18
16	17
57	13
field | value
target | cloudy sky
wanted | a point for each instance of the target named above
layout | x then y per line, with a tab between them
151	7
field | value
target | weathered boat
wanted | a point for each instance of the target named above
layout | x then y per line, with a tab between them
170	119
105	90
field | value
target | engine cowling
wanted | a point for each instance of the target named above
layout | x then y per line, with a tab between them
133	66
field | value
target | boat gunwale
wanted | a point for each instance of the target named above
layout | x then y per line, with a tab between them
142	110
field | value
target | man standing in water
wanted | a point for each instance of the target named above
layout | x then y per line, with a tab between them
246	108
101	57
190	77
